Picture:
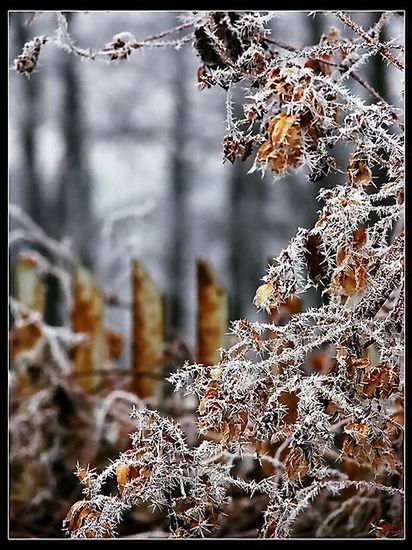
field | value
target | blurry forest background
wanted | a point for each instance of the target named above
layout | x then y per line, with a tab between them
123	161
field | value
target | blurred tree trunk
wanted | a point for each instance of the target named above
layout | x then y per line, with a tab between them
32	200
246	233
74	215
29	121
179	191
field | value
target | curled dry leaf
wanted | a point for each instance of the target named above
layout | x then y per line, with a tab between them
125	473
351	277
78	514
215	373
263	293
280	126
234	147
358	173
358	431
315	257
296	465
360	237
318	67
380	381
210	395
283	146
354	364
385	529
204	78
290	401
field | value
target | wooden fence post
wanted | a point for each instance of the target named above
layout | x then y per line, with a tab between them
147	334
87	318
212	314
30	291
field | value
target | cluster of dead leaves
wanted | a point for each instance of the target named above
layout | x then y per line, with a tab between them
231	427
379	381
26	62
284	145
234	147
359	445
191	514
235	424
82	513
286	91
256	63
126	472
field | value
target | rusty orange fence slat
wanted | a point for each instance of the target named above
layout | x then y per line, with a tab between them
147	333
30	291
212	314
87	318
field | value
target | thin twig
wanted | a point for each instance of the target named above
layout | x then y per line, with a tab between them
377	28
170	31
367	37
281	44
376	95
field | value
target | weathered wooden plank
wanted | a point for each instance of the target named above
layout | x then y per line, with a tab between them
212	314
147	334
87	318
30	291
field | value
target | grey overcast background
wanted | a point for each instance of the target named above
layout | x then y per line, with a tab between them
120	158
